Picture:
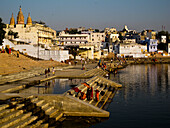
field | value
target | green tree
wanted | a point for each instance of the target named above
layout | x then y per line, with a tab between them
120	36
2	32
96	30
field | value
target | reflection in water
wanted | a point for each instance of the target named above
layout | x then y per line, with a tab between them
144	100
55	86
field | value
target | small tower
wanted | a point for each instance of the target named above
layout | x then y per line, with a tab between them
12	20
20	17
29	20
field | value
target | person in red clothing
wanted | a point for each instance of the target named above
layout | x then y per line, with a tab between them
9	50
87	85
97	95
91	90
83	96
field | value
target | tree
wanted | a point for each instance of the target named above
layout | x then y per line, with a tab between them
96	30
120	36
74	52
2	32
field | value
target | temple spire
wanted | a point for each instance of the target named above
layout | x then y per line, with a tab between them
12	20
20	17
29	20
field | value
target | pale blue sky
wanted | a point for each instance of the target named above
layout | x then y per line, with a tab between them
59	14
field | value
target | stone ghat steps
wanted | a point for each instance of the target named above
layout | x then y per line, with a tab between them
94	72
28	112
106	88
21	76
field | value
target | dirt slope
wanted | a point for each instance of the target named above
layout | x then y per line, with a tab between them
12	64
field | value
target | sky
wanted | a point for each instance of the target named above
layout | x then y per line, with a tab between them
98	14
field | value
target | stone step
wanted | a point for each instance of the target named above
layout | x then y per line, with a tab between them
6	111
44	125
10	115
105	99
58	115
19	106
30	97
34	99
25	122
48	109
38	102
15	120
101	97
52	113
43	105
3	106
36	125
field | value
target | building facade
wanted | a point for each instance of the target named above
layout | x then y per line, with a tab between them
132	49
29	32
152	45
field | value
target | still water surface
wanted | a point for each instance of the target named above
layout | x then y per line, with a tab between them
144	100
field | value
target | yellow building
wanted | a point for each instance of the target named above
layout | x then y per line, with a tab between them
29	32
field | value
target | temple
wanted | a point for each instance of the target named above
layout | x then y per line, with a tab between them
29	32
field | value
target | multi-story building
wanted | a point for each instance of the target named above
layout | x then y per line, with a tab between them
127	41
97	37
152	45
151	34
163	39
113	38
29	32
169	49
132	49
110	30
73	39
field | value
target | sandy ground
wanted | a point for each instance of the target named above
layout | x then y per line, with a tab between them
12	64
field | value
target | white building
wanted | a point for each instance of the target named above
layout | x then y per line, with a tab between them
132	49
34	51
163	39
73	39
97	38
30	33
110	30
127	41
169	49
152	45
113	38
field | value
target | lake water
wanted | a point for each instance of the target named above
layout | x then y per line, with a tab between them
144	100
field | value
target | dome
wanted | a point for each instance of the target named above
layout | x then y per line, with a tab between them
29	20
12	20
20	17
